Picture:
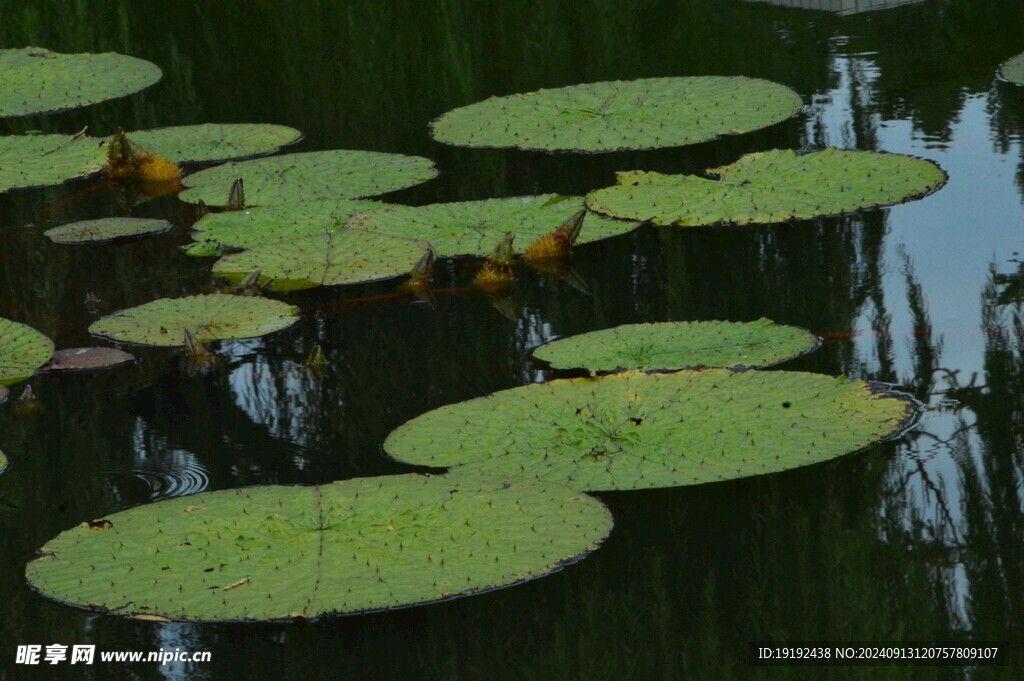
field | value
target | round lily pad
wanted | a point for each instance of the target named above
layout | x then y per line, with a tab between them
1013	69
106	230
44	160
771	186
209	317
256	226
22	351
87	359
214	141
278	553
348	257
309	176
637	430
649	113
36	80
474	227
679	345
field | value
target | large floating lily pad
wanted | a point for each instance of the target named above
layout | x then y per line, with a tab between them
348	257
209	317
1013	69
679	345
256	226
310	176
214	141
770	186
270	553
106	230
22	351
87	359
44	160
638	430
474	227
36	80
639	114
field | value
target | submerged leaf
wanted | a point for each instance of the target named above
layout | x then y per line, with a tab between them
771	186
22	351
37	81
87	359
648	113
106	230
209	317
638	430
310	176
679	345
474	227
347	257
255	226
278	553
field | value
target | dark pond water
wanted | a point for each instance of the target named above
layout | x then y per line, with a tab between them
920	539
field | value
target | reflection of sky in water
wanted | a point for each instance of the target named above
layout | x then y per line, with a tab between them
950	240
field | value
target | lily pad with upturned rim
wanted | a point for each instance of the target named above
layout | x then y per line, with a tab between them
474	227
647	113
210	317
350	256
22	351
72	360
638	430
37	81
771	186
45	160
309	176
106	230
679	345
268	224
1012	69
214	141
280	553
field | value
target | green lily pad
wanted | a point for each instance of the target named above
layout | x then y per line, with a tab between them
3	457
771	186
348	257
1013	69
309	176
210	317
45	160
278	553
474	227
214	141
257	226
106	230
679	345
638	430
649	113
22	351
36	80
72	360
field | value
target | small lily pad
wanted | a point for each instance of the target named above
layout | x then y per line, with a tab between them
4	393
106	230
22	351
348	257
280	553
210	317
771	186
309	176
37	81
679	345
474	227
257	226
3	457
648	113
1013	69
214	141
87	359
638	430
45	160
